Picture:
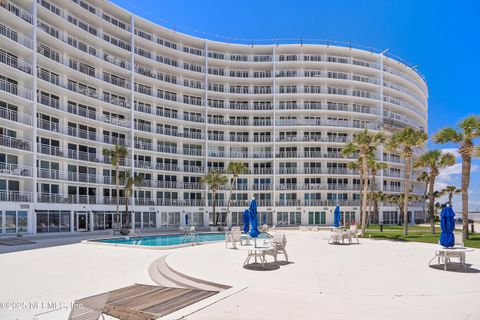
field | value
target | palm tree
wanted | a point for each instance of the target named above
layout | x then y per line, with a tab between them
357	166
423	177
116	155
129	183
374	167
363	144
469	130
407	139
235	169
434	161
399	200
450	191
214	179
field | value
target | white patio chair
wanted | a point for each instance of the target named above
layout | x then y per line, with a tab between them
353	233
279	246
335	235
233	237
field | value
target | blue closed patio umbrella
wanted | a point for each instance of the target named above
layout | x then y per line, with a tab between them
447	223
336	216
253	219
264	218
186	219
246	220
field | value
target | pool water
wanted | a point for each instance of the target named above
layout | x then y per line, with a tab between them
169	240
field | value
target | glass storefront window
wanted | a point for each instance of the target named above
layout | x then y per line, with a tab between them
99	221
10	221
42	221
149	219
65	221
22	219
138	219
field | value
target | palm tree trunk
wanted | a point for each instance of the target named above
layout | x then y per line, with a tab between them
425	192
361	188
117	184
450	198
466	166
374	195
214	199
364	193
234	181
408	165
431	203
127	220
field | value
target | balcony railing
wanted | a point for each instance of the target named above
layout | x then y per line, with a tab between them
15	170
15	143
15	196
16	63
16	10
15	89
16	116
15	36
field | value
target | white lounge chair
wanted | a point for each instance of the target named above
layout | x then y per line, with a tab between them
233	237
279	246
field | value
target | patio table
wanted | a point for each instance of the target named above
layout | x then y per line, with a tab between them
444	254
256	252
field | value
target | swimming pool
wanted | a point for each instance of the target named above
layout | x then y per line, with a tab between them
168	240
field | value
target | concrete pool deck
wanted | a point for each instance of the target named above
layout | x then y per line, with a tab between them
376	279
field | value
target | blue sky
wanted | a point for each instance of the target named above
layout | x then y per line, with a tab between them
442	37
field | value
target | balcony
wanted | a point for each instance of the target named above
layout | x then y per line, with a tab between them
15	36
15	196
15	63
9	142
15	89
16	116
15	170
16	10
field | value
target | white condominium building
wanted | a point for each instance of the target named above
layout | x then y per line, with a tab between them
79	77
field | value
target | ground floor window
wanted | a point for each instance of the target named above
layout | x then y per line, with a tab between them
149	220
347	217
170	219
390	217
317	217
237	218
195	218
222	218
53	221
138	219
13	221
102	220
265	218
289	218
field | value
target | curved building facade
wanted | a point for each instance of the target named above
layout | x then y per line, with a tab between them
79	77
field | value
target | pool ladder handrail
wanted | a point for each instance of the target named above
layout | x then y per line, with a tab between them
190	235
137	234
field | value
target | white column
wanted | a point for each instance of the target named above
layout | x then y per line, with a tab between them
206	125
31	221
158	220
72	221
274	167
132	123
91	220
34	111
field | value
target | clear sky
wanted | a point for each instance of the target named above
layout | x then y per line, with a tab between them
442	37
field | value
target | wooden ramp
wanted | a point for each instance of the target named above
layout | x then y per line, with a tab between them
145	302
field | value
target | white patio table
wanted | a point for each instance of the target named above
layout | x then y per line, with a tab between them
444	254
256	252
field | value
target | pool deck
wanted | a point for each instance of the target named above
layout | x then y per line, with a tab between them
377	279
